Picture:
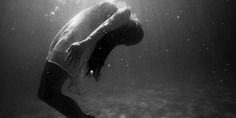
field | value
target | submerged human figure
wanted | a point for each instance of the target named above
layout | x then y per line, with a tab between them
80	49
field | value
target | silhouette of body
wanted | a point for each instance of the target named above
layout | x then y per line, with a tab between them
80	50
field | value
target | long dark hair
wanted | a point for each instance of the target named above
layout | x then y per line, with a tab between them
129	34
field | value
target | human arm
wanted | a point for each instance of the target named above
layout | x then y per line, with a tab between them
121	17
118	19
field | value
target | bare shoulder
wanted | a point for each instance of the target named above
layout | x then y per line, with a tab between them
118	19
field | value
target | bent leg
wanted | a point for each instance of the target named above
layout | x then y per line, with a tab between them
50	87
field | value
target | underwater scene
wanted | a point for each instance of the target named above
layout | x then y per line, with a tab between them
184	66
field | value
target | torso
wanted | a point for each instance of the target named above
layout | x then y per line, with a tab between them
76	30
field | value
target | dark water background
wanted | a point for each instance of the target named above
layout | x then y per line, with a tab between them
184	68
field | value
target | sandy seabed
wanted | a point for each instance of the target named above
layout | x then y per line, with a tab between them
153	101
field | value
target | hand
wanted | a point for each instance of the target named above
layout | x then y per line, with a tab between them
74	54
121	17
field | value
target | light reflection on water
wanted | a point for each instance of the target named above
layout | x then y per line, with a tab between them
183	42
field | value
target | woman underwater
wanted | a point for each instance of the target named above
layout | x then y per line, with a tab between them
80	49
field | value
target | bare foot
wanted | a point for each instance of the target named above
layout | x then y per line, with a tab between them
77	90
89	116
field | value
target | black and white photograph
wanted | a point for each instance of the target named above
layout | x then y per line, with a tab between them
117	59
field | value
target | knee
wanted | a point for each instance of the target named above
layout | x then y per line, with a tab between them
48	94
42	94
